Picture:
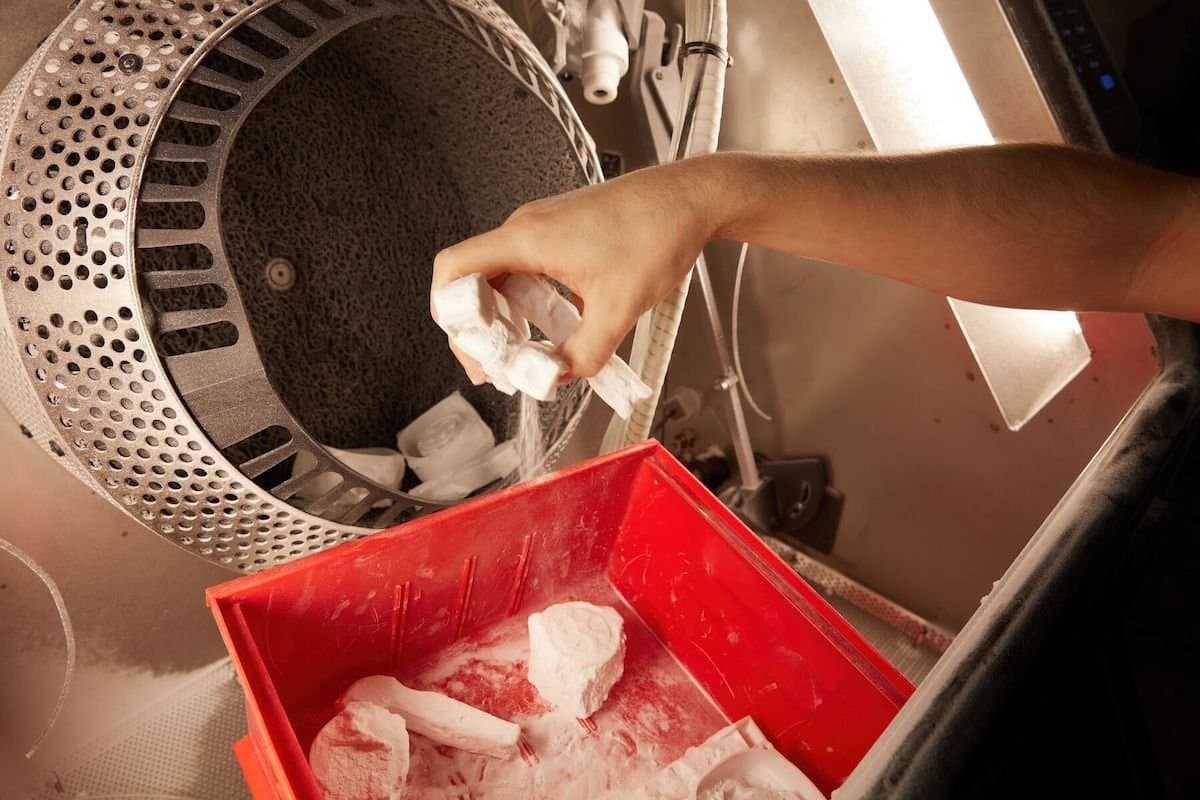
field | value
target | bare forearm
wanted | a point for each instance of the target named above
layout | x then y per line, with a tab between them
1021	225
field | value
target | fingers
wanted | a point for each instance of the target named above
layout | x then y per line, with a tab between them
472	367
593	343
489	253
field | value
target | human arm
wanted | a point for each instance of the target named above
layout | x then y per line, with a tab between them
1020	225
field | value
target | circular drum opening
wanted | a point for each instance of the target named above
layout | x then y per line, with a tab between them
305	176
395	139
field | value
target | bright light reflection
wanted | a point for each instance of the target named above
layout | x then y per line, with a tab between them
913	96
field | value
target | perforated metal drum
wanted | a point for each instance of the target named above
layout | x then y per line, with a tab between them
218	225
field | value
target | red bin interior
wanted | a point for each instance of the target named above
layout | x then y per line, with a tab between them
748	630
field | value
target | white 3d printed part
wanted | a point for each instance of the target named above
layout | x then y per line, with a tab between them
361	754
737	761
465	303
576	654
438	717
616	384
444	438
493	348
504	459
472	314
535	370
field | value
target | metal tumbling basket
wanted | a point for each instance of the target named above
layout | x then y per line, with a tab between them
218	225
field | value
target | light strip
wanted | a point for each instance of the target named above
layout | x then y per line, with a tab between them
913	96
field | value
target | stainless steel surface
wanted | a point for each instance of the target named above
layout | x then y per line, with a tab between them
912	645
1121	496
176	746
169	383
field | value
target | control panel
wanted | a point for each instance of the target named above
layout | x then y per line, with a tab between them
1097	74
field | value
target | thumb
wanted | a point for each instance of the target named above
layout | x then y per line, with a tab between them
593	343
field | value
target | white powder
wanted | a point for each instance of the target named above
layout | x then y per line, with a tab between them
729	789
576	654
735	763
530	446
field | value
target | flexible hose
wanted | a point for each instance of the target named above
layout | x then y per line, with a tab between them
697	127
60	606
733	324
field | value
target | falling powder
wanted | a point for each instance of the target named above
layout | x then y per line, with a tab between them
530	446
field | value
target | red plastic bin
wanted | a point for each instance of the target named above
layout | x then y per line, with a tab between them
699	591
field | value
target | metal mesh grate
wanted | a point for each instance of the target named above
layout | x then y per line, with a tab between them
912	644
181	745
129	326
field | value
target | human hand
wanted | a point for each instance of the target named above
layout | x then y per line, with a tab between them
620	247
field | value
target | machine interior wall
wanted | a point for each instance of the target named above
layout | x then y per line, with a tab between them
875	375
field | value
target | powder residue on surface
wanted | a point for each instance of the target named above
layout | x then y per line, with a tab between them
653	714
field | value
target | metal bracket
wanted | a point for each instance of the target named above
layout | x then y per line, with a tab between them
655	81
793	502
632	12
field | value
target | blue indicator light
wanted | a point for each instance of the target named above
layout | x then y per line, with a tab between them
1107	82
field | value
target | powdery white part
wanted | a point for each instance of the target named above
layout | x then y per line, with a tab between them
438	717
482	324
493	347
633	736
380	465
681	779
361	754
535	370
736	790
616	383
761	773
538	301
444	438
467	302
576	654
506	311
619	387
499	461
737	758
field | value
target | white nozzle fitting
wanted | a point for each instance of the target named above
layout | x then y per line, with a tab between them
605	52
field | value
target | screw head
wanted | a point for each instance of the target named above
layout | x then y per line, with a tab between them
281	274
130	63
